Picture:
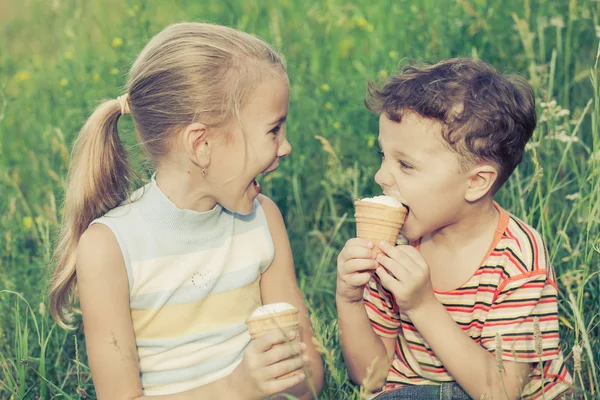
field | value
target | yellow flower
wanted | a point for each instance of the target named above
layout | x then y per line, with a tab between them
325	87
68	55
393	54
27	223
22	76
383	74
337	125
360	21
370	28
371	141
64	82
116	42
328	106
95	76
114	71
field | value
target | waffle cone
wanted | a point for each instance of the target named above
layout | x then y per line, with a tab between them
378	222
285	321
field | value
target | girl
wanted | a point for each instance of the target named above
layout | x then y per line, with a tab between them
167	276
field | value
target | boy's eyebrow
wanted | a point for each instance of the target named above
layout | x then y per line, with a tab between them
398	152
280	120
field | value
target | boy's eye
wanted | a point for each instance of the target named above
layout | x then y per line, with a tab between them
404	165
380	152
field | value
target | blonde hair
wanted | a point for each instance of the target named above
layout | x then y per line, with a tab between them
189	72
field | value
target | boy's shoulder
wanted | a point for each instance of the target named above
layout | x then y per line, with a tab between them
523	247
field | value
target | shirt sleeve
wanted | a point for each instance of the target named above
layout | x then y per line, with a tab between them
525	315
381	309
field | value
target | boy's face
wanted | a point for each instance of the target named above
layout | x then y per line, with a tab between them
418	169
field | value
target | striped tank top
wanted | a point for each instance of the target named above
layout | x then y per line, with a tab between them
194	278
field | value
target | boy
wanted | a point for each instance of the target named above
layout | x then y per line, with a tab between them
469	309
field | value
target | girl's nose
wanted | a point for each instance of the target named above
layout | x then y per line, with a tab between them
285	148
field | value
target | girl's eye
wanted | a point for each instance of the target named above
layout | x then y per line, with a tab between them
275	130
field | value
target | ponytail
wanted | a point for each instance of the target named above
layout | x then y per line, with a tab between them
98	180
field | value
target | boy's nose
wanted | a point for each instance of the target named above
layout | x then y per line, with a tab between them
380	178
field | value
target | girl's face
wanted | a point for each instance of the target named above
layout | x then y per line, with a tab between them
252	148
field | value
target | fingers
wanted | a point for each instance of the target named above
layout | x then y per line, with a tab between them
358	279
285	367
357	248
394	252
284	351
280	385
355	265
266	341
388	281
397	269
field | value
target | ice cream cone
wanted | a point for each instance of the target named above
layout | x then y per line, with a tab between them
285	320
378	222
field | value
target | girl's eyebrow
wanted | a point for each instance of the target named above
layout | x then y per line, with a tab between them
280	120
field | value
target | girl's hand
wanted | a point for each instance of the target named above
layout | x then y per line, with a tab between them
405	274
355	266
263	362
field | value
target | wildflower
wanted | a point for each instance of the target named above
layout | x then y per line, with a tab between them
95	76
564	138
393	54
499	365
64	82
114	71
360	21
42	309
595	156
325	87
382	74
337	125
68	55
573	196
27	223
116	42
558	22
531	145
577	358
537	335
328	106
23	76
370	27
371	141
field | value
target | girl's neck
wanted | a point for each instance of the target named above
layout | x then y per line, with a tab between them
186	190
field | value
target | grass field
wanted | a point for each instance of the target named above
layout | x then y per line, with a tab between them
59	58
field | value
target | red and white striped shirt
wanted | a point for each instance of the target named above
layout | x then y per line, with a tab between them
514	284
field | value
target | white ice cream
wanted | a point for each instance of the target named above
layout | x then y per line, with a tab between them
385	200
272	309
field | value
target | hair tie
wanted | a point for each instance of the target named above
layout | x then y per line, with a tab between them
124	103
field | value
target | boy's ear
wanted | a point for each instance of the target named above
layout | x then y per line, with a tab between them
481	181
197	144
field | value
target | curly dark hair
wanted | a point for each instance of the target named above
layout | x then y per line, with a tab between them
486	116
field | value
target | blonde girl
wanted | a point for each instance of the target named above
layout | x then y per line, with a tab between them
167	275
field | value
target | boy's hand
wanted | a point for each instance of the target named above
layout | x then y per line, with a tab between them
355	266
405	274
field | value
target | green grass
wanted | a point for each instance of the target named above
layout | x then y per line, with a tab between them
59	58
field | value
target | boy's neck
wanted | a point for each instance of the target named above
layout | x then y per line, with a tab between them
477	220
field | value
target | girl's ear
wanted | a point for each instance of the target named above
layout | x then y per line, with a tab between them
197	144
481	181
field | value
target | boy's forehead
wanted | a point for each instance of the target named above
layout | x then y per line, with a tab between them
413	133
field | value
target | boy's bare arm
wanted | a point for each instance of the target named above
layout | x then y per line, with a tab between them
361	346
473	367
